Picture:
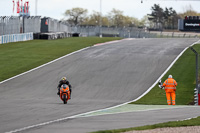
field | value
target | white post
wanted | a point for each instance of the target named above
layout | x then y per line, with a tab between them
100	23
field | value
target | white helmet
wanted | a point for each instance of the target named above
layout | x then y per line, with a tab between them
64	78
170	76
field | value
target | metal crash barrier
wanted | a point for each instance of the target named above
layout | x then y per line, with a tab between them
16	38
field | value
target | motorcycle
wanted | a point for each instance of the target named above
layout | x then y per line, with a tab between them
64	93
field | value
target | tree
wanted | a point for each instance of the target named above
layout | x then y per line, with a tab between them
131	22
145	22
173	19
76	15
166	17
189	11
170	18
105	21
116	17
157	16
94	19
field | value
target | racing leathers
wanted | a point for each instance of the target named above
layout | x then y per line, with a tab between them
61	82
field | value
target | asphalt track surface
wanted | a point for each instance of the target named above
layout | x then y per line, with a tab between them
101	77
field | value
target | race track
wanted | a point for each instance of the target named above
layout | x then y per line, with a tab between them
101	77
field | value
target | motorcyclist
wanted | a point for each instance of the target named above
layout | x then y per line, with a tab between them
64	81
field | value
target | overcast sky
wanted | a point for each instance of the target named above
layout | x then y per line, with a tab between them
132	8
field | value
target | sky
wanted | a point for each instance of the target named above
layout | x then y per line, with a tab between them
132	8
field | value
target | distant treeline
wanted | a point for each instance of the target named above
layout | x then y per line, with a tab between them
159	18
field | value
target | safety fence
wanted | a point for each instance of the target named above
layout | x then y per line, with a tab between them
175	34
35	24
16	25
9	25
16	38
31	24
124	32
49	25
129	32
197	89
42	28
48	28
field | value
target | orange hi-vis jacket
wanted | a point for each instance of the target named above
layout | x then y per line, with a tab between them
170	85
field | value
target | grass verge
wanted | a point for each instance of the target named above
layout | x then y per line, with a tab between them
191	122
19	57
183	72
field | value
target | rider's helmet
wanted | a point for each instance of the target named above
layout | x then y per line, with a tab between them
64	78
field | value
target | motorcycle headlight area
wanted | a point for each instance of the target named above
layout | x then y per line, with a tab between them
64	91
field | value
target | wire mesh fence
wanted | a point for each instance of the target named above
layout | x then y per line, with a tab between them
124	32
176	34
129	32
50	25
197	88
36	24
197	93
31	24
9	25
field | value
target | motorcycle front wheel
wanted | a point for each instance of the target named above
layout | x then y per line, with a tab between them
64	99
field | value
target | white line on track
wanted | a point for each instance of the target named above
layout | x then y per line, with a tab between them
140	111
100	44
78	115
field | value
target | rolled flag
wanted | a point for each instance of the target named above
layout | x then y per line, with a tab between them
18	8
13	6
21	5
27	6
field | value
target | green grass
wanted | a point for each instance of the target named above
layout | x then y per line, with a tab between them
19	57
183	72
191	122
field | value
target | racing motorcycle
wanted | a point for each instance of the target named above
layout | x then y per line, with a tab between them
64	93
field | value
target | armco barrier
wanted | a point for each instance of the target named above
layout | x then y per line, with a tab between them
16	38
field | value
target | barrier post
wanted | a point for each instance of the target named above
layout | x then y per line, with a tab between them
0	40
199	99
196	97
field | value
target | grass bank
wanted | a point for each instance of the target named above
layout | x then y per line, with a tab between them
183	71
19	57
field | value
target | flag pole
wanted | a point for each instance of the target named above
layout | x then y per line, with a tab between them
35	7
